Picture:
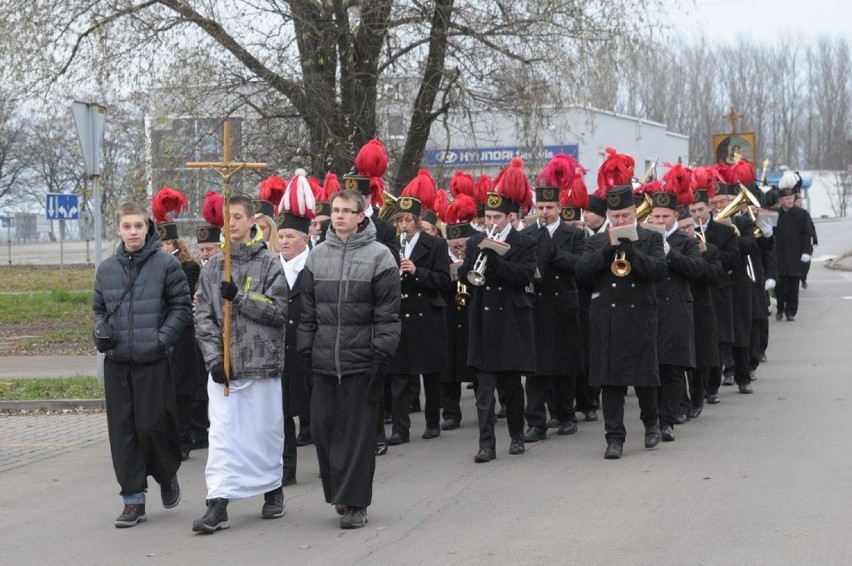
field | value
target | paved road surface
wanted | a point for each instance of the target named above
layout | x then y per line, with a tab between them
758	479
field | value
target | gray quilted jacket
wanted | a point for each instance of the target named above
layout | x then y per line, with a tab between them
258	312
350	304
154	312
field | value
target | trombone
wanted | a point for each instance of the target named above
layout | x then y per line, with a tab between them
476	276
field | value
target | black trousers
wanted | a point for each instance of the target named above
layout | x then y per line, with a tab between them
451	400
588	396
200	418
759	339
402	395
787	295
183	405
670	392
142	423
557	391
509	385
343	427
697	382
612	403
741	356
290	453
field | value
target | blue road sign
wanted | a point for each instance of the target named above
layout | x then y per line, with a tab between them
60	206
7	221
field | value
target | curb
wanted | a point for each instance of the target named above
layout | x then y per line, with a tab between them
52	404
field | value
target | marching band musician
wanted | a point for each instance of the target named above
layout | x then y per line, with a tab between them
676	326
501	343
559	345
623	319
725	240
422	350
794	247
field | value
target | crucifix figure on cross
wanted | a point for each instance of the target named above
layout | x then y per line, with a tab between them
732	117
226	169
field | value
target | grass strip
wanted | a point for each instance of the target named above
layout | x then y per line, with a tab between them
31	389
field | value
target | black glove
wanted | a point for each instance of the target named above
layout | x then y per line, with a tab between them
228	290
626	245
711	254
217	372
609	253
379	366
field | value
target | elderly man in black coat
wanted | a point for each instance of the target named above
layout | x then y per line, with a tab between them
559	343
623	319
501	344
793	246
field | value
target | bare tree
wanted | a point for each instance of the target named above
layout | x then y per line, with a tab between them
11	138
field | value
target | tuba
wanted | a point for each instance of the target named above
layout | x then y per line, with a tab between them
388	208
476	276
743	201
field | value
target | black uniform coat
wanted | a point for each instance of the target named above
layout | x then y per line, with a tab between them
704	313
423	342
624	311
184	357
792	239
676	326
501	336
558	335
725	239
762	247
297	369
457	337
741	283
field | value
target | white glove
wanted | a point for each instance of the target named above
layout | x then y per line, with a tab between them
770	284
765	227
806	258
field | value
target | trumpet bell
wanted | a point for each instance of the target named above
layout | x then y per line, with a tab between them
462	296
740	203
620	267
476	278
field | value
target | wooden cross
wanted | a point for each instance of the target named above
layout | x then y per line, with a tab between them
226	169
732	117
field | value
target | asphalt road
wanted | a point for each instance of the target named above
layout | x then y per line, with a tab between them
758	479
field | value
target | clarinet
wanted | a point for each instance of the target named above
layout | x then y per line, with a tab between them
402	245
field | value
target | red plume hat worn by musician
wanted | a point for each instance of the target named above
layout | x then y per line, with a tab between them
512	190
418	195
271	192
460	214
484	185
371	164
167	204
323	197
704	184
677	188
297	207
213	213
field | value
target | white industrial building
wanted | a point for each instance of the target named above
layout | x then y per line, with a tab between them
485	142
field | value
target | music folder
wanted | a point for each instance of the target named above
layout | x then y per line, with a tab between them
628	232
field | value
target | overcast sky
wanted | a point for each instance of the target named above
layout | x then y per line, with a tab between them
723	20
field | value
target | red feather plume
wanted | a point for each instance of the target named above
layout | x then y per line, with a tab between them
422	187
441	204
743	172
462	183
704	177
678	180
724	173
559	172
655	186
372	159
329	187
617	169
299	197
213	209
577	194
272	189
168	200
314	183
462	209
512	183
484	185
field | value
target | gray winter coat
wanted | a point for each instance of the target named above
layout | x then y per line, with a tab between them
258	312
154	312
351	301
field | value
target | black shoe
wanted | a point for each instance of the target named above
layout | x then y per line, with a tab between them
397	438
804	284
566	428
184	453
652	436
535	434
341	509
288	479
591	416
517	446
713	398
762	358
790	318
450	424
484	455
304	438
388	418
695	412
728	379
745	388
667	433
553	423
469	386
170	493
413	408
501	414
779	315
681	419
273	504
132	514
354	518
216	517
430	433
381	446
613	451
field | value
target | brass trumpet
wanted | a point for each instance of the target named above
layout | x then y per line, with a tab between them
462	296
476	276
620	267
